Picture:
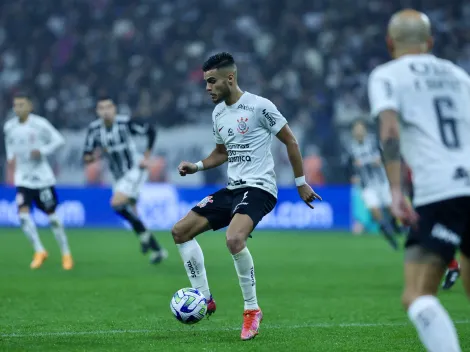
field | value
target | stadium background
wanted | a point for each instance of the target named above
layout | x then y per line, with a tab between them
324	292
309	57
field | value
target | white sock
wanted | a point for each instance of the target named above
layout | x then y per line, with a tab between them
193	260
29	228
246	275
59	233
435	328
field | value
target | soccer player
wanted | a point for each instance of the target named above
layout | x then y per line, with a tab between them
368	167
112	133
29	140
243	126
423	104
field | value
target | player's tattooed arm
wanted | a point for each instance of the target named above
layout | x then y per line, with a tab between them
390	138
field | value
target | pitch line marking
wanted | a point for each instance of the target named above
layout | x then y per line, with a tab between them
203	329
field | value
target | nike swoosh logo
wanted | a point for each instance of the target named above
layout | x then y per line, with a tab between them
220	129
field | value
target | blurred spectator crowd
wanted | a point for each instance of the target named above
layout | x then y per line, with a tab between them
311	58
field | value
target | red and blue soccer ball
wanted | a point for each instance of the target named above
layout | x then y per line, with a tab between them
188	305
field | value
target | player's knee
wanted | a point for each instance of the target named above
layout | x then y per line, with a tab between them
236	242
180	233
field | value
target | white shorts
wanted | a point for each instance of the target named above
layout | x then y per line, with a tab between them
131	183
377	196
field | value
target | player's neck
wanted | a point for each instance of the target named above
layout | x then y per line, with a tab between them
399	52
23	119
234	97
108	123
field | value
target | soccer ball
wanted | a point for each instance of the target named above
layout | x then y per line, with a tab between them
188	305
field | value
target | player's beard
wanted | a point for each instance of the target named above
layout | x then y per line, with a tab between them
223	95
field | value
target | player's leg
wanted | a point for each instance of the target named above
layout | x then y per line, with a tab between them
149	242
213	212
123	201
465	270
46	200
423	273
373	203
430	246
250	206
24	201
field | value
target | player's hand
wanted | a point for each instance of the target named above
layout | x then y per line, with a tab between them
402	209
35	154
145	163
187	168
307	194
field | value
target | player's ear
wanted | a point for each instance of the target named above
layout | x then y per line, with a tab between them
430	43
231	78
390	46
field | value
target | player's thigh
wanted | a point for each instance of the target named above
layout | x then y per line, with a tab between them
253	203
465	272
212	212
423	272
465	258
46	199
24	199
189	227
431	245
385	196
127	189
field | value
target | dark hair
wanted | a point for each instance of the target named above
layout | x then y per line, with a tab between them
22	95
103	97
217	61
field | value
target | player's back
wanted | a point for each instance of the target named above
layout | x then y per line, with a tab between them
432	97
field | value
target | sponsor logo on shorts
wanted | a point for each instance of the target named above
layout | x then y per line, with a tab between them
204	202
442	233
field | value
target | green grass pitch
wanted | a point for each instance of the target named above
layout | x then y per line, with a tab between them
320	292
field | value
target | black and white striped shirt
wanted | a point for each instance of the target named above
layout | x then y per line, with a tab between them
367	162
117	143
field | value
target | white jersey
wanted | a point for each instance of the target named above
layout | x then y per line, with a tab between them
20	139
246	128
432	97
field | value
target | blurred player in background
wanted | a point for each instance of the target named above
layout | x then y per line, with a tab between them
370	175
29	140
424	110
112	134
243	126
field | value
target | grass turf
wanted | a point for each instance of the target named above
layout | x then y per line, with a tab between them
323	292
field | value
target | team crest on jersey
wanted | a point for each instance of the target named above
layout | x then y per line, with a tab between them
242	125
204	202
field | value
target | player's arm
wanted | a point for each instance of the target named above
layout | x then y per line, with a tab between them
385	105
142	128
8	145
218	156
90	146
390	138
273	121
55	140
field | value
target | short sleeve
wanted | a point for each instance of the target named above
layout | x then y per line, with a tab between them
383	93
270	116
217	138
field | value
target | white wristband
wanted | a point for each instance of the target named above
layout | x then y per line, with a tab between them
200	166
300	181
